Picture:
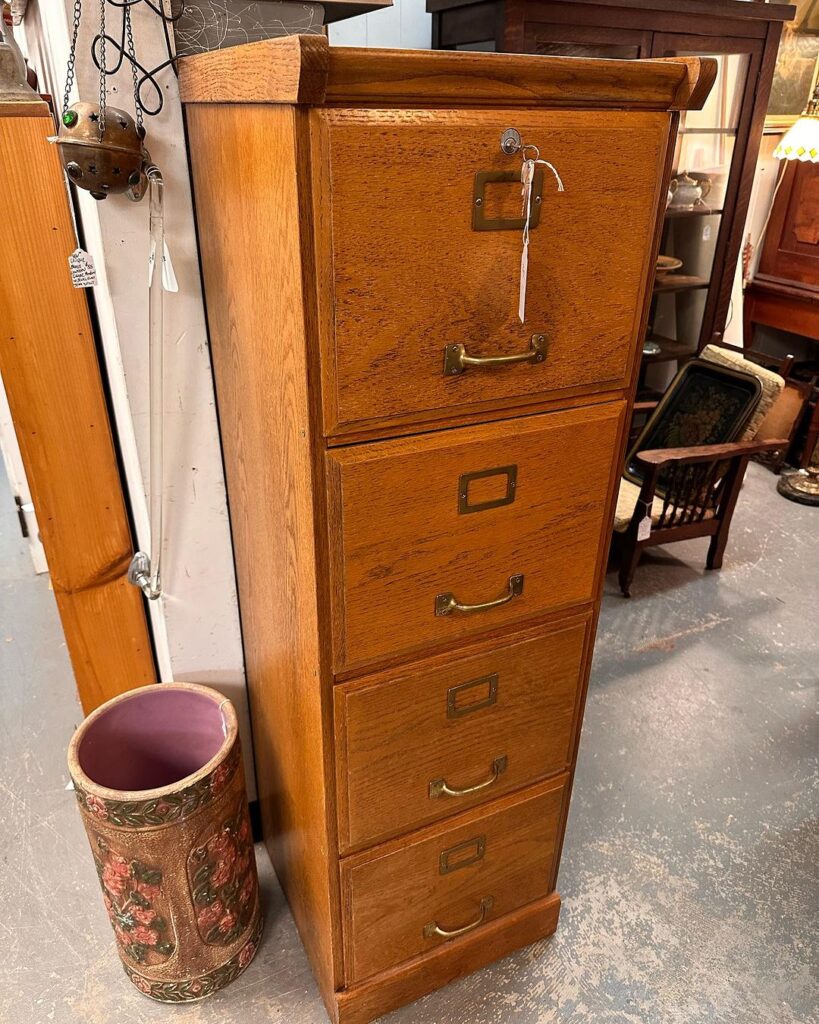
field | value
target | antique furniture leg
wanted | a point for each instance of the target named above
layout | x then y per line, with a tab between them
628	566
700	490
733	484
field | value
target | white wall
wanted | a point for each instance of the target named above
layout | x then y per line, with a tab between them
405	25
765	176
12	459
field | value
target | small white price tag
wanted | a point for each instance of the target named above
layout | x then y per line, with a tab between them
527	174
644	529
83	271
524	274
169	282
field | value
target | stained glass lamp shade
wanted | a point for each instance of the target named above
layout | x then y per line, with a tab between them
801	142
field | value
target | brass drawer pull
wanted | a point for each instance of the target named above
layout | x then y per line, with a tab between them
456	361
439	787
433	928
446	604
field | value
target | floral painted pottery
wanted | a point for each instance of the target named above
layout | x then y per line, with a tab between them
158	776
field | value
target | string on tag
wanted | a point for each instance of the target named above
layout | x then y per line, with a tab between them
527	177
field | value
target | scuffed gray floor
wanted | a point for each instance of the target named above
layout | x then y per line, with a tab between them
689	873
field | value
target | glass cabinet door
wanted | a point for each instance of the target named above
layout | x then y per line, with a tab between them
705	179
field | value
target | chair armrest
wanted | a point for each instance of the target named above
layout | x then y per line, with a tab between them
708	452
645	406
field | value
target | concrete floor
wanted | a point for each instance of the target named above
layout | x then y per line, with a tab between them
688	876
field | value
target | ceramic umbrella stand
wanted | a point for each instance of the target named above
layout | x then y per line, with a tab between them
159	780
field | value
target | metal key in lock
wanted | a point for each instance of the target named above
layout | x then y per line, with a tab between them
511	143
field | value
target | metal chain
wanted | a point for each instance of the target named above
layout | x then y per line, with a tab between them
129	33
101	122
72	55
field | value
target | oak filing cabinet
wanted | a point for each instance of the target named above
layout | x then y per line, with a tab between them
420	485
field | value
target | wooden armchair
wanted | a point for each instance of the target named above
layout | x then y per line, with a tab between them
701	486
683	492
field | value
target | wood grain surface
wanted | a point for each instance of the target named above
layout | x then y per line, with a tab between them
391	892
261	378
396	732
48	361
398	539
305	69
361	1003
384	332
346	531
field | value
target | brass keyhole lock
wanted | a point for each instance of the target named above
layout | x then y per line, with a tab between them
510	141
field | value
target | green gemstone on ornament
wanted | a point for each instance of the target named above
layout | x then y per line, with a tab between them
70	118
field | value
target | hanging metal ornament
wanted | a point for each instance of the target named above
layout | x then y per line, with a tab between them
102	148
106	163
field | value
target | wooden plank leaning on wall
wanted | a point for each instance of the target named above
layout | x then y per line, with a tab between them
48	362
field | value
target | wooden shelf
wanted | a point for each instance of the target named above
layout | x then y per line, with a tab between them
679	283
670	349
646	395
707	131
698	211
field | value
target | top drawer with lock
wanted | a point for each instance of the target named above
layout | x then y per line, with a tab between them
419	258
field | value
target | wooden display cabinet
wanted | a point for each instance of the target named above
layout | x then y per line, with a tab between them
721	142
784	293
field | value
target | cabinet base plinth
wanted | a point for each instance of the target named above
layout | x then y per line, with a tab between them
364	1002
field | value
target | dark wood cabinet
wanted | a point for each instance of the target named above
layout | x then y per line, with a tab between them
717	146
784	293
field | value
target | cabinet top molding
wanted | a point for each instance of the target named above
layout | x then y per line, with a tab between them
306	70
750	10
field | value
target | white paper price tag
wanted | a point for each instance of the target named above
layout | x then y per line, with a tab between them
644	529
524	274
83	271
527	174
169	282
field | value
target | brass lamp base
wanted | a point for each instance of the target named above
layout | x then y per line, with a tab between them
801	485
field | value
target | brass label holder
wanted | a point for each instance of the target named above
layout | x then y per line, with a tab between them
454	692
462	855
480	222
464	507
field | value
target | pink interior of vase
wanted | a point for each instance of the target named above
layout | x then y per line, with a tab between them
153	739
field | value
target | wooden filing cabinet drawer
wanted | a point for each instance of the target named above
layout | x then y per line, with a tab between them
512	511
399	898
408	744
405	274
